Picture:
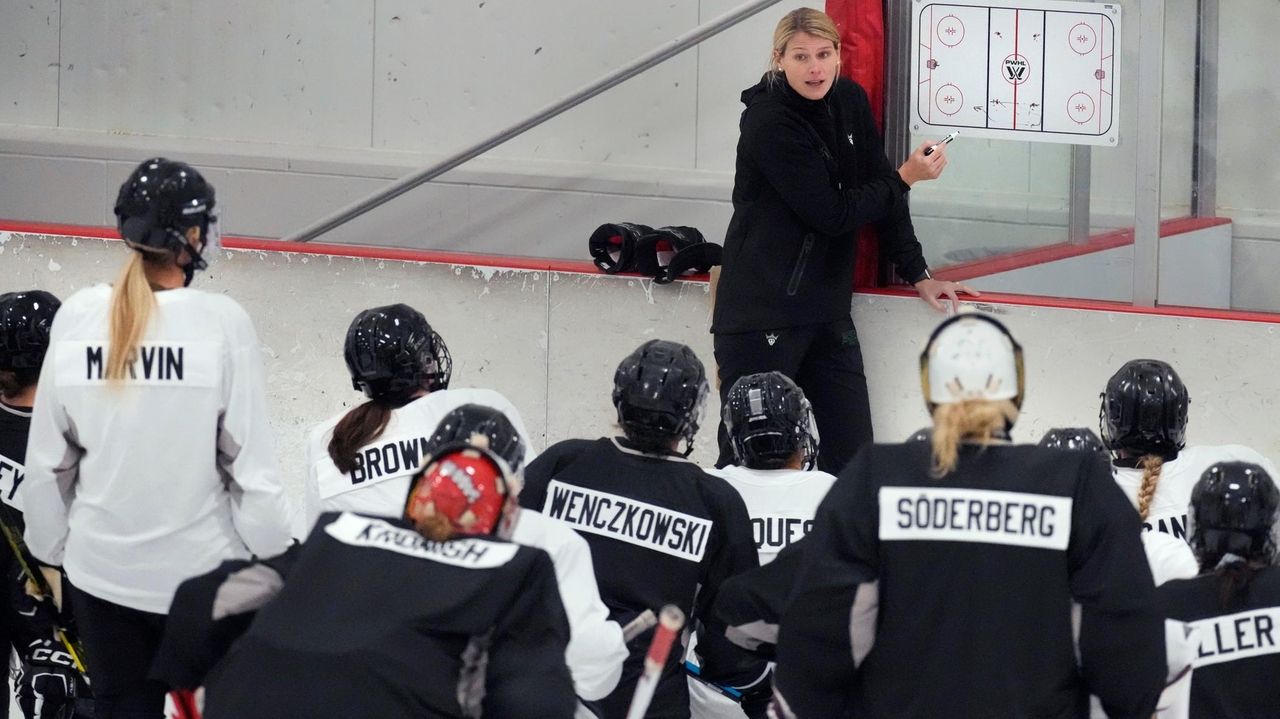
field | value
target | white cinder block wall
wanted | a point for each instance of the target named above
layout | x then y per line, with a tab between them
299	106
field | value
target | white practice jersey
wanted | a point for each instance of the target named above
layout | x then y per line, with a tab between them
135	487
380	482
596	648
380	486
1168	511
781	503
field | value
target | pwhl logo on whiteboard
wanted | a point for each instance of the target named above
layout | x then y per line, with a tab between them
1015	69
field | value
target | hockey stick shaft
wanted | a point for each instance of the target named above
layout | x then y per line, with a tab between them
670	622
27	562
641	624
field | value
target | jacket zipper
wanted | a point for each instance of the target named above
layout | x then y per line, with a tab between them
796	274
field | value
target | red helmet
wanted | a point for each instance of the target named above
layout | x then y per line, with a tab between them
468	486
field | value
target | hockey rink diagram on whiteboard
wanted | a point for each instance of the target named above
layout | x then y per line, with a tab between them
1034	71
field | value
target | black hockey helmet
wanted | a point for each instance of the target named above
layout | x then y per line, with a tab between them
159	202
25	320
660	392
481	426
1081	438
769	419
1144	409
392	352
1234	510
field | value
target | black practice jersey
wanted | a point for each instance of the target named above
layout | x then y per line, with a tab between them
661	531
1236	672
923	597
15	425
376	621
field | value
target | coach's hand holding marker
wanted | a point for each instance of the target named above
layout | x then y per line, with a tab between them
929	150
926	162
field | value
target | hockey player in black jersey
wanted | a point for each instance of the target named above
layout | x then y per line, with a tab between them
48	682
432	616
1235	602
661	530
941	578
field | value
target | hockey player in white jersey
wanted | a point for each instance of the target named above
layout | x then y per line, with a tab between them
1143	422
390	352
775	444
775	447
1169	556
151	458
361	460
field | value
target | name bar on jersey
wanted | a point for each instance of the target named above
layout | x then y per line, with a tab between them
975	515
467	552
628	520
191	363
396	457
773	533
1237	636
11	476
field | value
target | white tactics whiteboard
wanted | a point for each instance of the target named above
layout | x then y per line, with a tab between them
1034	71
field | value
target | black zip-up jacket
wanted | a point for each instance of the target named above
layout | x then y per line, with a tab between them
809	174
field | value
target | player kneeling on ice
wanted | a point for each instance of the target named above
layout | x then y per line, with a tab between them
661	530
1143	420
435	614
775	448
1234	604
942	579
49	682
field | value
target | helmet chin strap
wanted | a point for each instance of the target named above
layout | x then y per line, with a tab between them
195	264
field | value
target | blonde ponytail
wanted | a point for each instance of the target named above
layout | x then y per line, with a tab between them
132	302
981	420
1151	465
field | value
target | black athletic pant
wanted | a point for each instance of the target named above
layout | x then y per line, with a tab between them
826	361
119	645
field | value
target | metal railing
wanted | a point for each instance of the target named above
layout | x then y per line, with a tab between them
409	182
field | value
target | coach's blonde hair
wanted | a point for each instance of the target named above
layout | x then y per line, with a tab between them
807	20
975	420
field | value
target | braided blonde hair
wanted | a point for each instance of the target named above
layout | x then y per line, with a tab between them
1151	464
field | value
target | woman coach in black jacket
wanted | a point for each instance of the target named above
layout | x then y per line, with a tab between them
811	170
